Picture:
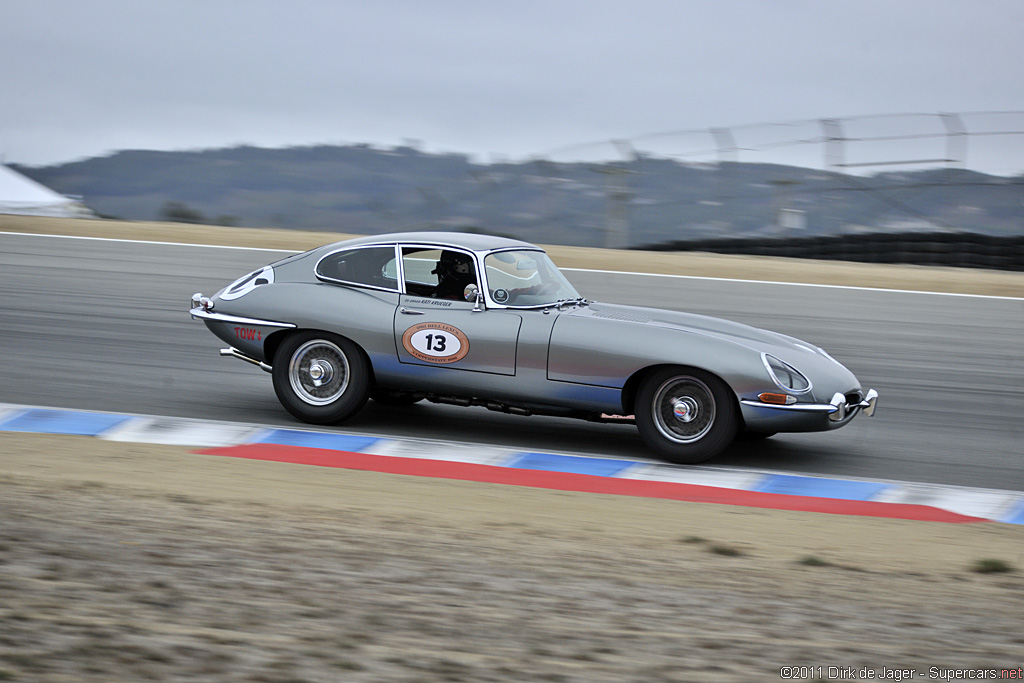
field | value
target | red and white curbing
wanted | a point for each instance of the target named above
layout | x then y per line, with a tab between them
759	488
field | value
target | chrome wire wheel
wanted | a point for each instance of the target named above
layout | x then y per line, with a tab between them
686	415
683	409
318	372
321	378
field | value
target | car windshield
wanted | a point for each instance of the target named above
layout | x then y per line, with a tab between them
526	278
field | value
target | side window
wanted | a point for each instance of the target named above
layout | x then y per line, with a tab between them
369	266
419	266
438	273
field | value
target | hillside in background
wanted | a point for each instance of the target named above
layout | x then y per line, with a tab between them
649	200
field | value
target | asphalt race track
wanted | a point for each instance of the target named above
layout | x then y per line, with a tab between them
103	325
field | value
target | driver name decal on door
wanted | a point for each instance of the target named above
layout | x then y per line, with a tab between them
436	343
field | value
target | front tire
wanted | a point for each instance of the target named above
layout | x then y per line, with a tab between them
686	415
321	378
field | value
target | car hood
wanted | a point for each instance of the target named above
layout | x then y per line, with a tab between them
799	353
694	323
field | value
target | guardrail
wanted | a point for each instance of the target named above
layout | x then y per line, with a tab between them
962	250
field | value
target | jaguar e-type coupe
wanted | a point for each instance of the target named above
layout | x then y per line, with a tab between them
476	320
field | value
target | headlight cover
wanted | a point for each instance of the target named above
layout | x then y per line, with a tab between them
785	376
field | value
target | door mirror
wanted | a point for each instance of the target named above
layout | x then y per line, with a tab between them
473	294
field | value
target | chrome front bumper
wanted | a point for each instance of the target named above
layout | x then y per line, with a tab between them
842	408
838	409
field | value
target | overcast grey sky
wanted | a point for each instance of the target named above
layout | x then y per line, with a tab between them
498	80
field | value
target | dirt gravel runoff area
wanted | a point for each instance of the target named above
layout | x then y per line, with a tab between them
126	562
136	562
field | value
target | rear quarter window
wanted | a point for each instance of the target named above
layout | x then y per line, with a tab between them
365	266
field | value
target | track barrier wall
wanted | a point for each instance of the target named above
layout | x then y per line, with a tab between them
951	249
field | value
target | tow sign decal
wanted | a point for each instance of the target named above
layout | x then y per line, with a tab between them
436	343
248	334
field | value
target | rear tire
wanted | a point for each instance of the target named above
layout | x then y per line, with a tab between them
686	415
321	378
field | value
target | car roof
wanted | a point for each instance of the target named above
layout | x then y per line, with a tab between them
466	240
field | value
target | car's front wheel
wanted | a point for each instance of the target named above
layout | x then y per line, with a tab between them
321	378
685	415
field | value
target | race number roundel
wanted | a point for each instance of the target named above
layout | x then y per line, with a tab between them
436	342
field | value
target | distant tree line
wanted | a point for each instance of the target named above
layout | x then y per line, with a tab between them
648	200
179	212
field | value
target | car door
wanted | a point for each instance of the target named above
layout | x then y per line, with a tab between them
447	332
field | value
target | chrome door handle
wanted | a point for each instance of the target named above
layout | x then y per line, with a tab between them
410	311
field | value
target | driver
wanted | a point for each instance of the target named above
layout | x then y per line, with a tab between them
454	271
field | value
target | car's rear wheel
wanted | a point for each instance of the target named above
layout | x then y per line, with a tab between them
321	378
685	415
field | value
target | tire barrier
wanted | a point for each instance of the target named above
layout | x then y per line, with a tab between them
954	249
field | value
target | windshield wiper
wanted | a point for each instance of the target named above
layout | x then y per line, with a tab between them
579	301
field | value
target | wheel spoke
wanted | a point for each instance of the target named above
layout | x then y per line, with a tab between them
318	372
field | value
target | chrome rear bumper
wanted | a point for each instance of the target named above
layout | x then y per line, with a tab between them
203	314
202	308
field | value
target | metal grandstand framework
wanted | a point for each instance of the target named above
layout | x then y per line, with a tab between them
987	141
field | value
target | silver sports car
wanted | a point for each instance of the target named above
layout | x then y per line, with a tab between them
475	320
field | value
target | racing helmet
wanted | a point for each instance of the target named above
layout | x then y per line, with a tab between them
448	264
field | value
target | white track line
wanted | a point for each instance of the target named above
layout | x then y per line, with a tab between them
579	270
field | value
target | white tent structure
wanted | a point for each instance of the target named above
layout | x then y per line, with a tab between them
24	196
